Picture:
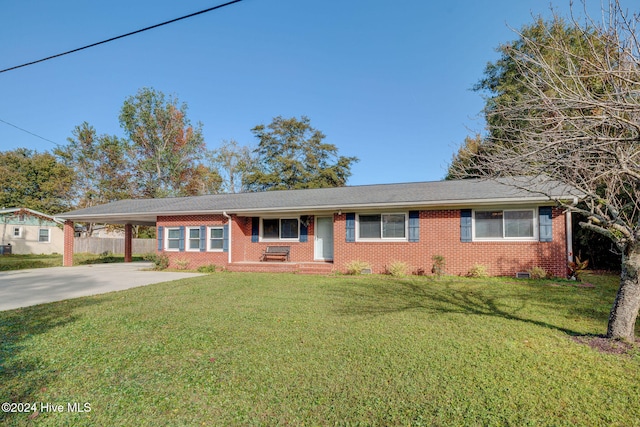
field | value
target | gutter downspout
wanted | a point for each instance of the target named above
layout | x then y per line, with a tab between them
224	213
569	229
4	228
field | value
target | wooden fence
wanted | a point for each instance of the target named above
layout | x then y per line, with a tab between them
98	245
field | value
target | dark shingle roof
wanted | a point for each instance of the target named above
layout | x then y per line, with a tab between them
407	195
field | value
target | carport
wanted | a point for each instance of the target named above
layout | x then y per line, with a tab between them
128	219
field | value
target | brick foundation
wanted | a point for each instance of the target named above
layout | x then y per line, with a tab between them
193	259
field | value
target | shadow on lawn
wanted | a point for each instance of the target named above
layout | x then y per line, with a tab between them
21	375
365	299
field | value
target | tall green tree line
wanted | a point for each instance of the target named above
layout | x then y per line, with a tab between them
35	180
164	155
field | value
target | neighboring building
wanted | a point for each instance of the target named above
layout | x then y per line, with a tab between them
468	222
30	232
101	231
104	232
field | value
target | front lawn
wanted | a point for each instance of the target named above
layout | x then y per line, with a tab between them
262	349
20	262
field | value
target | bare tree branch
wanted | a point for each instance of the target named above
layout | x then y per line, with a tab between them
574	117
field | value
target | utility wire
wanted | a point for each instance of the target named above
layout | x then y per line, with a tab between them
122	36
30	133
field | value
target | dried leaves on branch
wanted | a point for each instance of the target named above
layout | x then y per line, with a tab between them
565	104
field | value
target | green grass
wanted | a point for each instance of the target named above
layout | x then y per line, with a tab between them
261	349
20	262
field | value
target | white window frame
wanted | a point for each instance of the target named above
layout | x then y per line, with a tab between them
166	239
209	238
382	238
536	231
13	233
187	239
279	238
48	235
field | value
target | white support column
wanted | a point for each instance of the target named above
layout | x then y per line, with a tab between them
230	225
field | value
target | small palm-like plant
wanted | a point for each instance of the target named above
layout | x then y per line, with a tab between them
577	267
358	267
397	269
438	268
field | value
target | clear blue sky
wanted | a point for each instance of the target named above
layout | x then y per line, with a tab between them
387	81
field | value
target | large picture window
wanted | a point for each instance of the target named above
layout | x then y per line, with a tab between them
288	228
369	226
501	224
382	226
280	228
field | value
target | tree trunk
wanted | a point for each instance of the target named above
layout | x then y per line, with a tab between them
622	320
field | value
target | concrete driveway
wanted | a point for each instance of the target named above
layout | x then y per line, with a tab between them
22	288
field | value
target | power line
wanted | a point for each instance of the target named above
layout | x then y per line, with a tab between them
30	133
122	36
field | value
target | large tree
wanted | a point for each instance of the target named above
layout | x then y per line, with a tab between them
101	164
291	154
233	162
165	147
577	120
503	82
34	180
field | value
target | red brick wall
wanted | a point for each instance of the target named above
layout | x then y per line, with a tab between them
440	235
195	259
246	250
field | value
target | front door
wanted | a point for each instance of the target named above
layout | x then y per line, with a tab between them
324	238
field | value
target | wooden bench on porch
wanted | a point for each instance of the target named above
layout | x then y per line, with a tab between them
276	252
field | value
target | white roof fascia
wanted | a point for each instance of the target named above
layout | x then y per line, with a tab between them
12	210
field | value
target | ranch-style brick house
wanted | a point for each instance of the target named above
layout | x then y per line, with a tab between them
490	222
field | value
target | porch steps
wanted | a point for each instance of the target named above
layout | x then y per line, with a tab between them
263	267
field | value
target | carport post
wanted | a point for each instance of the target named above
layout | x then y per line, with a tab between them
69	235
128	236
